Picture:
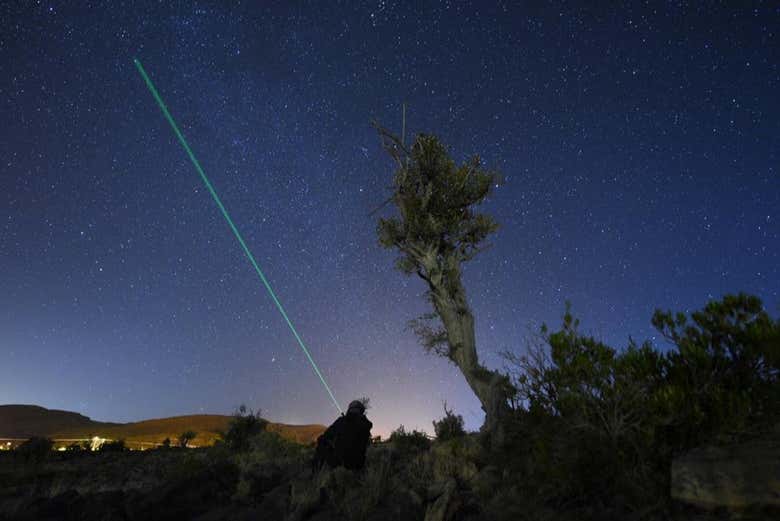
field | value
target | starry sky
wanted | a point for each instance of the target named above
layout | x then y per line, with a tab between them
639	147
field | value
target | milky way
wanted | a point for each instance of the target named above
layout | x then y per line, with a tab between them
639	150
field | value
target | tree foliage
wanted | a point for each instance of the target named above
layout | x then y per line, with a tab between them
432	336
436	199
723	378
450	426
185	438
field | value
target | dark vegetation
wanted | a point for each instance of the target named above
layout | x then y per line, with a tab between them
78	446
244	425
113	446
409	442
595	429
450	426
35	449
186	437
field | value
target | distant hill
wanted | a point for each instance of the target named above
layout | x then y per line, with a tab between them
24	421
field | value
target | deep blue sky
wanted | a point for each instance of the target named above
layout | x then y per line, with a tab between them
640	150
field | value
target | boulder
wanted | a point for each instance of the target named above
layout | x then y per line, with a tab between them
733	477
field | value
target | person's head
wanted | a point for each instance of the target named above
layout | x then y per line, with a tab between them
356	407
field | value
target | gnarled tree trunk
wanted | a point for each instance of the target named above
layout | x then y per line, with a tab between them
448	297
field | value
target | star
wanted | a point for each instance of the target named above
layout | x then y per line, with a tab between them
629	182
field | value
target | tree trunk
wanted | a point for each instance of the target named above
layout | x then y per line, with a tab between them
491	387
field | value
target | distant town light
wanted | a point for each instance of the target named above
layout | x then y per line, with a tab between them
96	443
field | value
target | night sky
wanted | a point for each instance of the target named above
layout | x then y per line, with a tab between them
640	150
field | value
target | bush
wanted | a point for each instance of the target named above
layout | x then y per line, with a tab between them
272	445
406	442
357	496
723	380
113	446
388	488
35	449
582	405
268	460
450	426
243	426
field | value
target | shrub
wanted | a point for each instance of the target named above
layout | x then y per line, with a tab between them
582	405
113	446
272	445
388	488
269	459
723	380
357	496
243	426
35	449
458	458
412	441
450	426
166	444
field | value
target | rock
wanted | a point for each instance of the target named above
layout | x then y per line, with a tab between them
446	504
733	477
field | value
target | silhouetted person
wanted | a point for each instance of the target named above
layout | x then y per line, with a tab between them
345	442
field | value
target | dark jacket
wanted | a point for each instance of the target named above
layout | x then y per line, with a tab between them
345	442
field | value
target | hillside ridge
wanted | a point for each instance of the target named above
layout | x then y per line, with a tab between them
24	421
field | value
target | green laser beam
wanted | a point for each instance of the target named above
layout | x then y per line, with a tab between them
225	214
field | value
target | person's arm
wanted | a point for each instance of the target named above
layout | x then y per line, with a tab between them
370	426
